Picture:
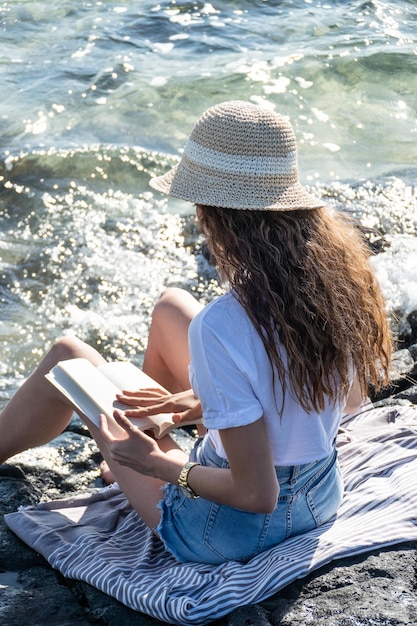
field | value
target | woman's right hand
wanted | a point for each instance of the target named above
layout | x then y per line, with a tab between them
184	405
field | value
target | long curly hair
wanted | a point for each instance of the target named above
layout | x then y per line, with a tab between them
304	276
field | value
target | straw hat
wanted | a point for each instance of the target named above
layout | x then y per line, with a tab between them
239	156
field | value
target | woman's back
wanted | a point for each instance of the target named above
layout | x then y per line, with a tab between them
304	276
231	374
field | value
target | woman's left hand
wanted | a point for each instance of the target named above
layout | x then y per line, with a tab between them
136	449
184	405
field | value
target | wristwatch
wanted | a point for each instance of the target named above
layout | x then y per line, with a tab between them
183	481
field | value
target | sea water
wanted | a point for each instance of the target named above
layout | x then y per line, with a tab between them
97	96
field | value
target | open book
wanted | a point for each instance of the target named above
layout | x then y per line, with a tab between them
92	390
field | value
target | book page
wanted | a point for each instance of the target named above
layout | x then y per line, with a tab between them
127	376
92	392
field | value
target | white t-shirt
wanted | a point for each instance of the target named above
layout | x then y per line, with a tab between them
231	374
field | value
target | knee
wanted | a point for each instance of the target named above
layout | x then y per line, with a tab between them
66	348
172	296
171	302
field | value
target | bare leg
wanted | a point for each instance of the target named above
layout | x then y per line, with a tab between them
143	492
36	413
167	355
166	361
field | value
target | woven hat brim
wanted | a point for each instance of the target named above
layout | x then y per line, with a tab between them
234	192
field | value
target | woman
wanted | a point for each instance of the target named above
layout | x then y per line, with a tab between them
274	362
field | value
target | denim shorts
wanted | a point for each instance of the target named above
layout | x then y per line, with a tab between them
197	530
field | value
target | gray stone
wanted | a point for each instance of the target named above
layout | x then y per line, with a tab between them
251	615
402	363
104	610
408	332
38	599
377	589
413	351
403	374
401	371
390	401
409	394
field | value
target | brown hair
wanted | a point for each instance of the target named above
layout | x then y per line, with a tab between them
305	277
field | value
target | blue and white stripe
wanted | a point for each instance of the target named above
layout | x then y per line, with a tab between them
110	548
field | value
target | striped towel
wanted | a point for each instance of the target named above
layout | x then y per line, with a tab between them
99	539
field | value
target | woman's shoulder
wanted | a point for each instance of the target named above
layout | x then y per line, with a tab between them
224	318
224	309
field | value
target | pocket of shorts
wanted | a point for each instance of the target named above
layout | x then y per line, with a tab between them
235	535
173	498
325	496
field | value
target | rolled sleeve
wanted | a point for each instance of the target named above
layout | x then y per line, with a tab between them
220	374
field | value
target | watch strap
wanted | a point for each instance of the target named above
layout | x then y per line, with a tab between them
183	479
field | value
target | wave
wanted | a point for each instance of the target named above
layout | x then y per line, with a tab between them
87	247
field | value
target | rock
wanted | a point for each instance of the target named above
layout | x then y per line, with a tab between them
376	589
11	471
408	333
39	598
413	351
403	374
100	609
409	394
392	402
31	593
251	615
402	365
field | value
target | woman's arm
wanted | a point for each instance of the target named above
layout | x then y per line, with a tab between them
354	398
250	484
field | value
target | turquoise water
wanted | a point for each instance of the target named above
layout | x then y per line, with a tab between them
98	96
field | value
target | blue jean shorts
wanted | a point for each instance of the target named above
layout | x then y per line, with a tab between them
197	530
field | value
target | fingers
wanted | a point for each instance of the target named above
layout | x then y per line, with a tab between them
125	423
166	406
143	395
189	415
184	404
104	428
122	421
130	448
177	418
139	400
146	411
150	391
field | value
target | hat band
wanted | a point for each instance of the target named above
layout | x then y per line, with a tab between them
244	165
269	181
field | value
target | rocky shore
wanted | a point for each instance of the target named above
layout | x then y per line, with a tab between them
378	588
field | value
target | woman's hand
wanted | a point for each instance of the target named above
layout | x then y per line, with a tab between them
136	449
184	405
